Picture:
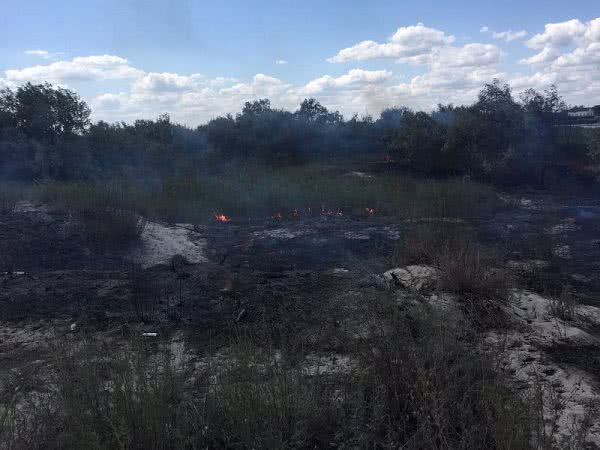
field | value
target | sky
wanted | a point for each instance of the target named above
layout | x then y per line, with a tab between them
197	60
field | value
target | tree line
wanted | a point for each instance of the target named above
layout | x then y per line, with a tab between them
46	132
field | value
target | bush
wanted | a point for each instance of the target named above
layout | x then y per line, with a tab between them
111	225
105	213
9	196
123	400
468	270
424	388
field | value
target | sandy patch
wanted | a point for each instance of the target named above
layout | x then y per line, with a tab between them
161	242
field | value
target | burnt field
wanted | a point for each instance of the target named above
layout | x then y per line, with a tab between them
308	295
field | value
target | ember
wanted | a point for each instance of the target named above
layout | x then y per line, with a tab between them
221	217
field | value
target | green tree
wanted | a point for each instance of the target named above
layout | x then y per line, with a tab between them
48	114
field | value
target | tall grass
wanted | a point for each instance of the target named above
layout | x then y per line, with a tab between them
261	192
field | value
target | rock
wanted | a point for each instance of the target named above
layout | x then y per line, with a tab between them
528	265
376	281
562	251
580	278
359	175
565	226
282	234
416	278
356	236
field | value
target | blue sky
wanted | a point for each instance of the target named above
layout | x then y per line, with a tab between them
224	45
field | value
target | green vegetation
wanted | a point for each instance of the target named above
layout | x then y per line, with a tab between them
45	132
259	192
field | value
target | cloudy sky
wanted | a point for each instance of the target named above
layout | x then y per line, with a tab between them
200	59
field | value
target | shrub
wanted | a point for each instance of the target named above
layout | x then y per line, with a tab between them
123	400
467	269
423	387
9	195
105	213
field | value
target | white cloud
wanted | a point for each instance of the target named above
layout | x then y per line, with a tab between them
353	78
441	71
470	55
484	29
45	54
42	53
166	82
406	42
281	62
83	68
510	35
547	54
571	44
558	34
569	56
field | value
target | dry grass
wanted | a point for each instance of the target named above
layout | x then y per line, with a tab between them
416	385
564	306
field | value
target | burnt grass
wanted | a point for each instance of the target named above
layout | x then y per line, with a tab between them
254	278
258	281
257	285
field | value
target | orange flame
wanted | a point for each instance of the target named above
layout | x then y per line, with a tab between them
221	217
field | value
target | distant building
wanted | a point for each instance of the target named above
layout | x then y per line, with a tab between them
581	112
580	116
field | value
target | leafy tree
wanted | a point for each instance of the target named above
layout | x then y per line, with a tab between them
311	110
417	139
542	113
47	114
256	107
499	125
